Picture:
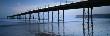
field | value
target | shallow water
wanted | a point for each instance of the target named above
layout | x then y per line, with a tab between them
14	27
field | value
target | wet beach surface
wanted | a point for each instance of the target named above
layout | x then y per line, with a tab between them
30	28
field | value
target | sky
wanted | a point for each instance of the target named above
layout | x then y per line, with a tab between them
10	7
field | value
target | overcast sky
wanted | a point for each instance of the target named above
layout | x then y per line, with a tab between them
10	7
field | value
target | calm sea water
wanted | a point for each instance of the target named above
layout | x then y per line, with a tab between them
14	27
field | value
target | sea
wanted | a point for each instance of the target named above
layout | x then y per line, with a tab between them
21	27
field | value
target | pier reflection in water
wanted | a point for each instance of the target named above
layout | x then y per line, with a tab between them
72	28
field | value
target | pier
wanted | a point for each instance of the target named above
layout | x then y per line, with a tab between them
90	4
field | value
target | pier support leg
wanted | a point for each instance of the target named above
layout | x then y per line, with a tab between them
87	16
48	21
38	23
19	16
25	17
43	22
33	17
92	25
63	24
58	23
83	21
52	21
29	16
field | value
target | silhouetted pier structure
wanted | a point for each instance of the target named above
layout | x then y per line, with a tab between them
83	4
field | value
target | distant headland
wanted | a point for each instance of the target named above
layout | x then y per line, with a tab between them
96	16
